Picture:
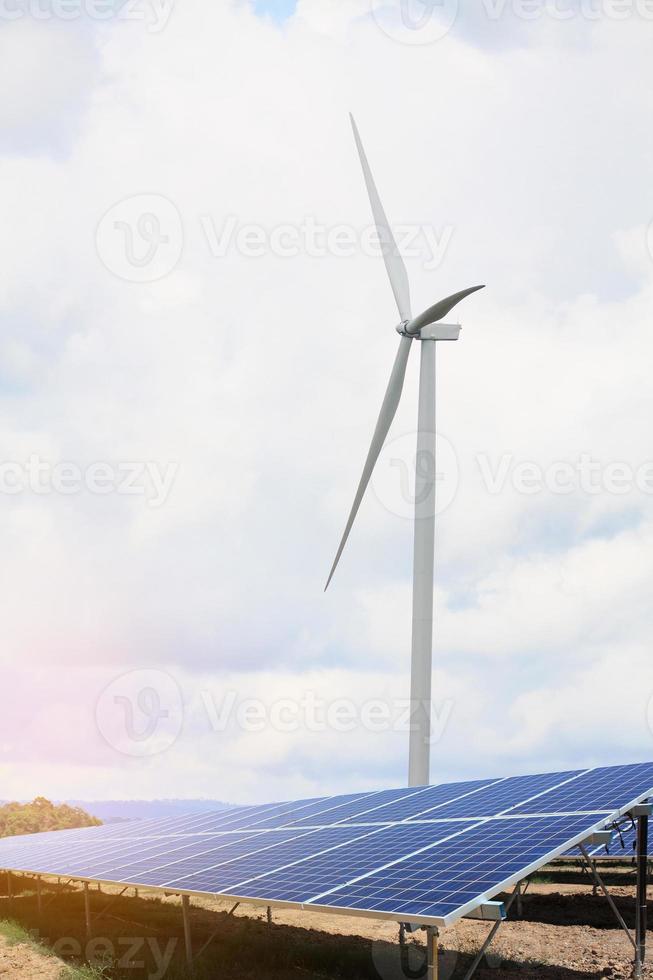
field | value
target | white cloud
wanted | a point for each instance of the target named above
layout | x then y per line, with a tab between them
261	378
50	69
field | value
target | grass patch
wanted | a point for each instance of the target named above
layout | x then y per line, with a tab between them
14	934
542	879
84	973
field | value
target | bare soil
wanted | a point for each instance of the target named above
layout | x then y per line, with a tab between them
565	932
549	942
22	962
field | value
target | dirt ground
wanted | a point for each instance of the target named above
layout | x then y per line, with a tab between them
544	943
21	961
565	933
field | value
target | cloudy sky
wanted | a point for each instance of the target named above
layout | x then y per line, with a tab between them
196	333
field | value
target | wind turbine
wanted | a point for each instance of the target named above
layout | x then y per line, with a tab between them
423	329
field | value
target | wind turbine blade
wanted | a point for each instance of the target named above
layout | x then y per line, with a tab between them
440	310
386	416
394	263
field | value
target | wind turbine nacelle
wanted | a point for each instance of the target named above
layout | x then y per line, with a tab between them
435	331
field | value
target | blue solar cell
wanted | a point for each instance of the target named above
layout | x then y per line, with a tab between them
222	877
232	818
341	809
44	850
121	866
610	789
245	817
78	859
267	816
210	850
411	804
301	879
296	813
81	833
199	822
439	881
495	798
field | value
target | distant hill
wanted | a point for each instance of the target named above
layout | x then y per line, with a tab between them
115	811
40	815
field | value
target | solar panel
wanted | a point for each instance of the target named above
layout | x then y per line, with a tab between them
426	855
423	801
606	789
340	853
460	873
338	810
495	798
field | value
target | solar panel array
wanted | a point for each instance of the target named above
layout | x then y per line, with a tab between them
426	855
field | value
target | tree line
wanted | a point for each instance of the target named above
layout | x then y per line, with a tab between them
41	815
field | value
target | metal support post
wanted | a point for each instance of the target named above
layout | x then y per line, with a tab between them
642	907
39	900
269	915
87	910
188	939
520	907
432	944
483	950
599	880
492	933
